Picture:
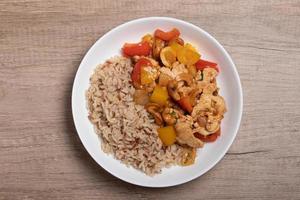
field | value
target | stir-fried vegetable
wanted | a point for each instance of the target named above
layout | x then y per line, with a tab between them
172	83
167	135
167	36
187	56
176	47
191	47
201	64
148	75
177	40
136	49
185	103
208	138
168	56
136	72
159	95
148	38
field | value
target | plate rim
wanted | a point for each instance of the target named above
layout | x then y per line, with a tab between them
236	74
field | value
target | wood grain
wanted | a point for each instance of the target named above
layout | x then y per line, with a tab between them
41	45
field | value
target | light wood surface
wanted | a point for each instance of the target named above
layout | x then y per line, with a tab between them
41	45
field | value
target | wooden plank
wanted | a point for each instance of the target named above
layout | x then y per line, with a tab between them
41	46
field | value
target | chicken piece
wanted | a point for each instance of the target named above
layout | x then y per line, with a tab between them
209	75
184	91
167	71
207	88
185	78
185	135
207	80
210	103
194	95
219	104
210	88
213	123
204	105
178	69
209	113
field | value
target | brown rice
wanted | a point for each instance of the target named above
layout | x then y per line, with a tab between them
125	129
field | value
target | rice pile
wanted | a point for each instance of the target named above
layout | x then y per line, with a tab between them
126	130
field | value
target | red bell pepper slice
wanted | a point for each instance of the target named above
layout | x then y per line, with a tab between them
185	103
136	49
201	64
209	138
167	36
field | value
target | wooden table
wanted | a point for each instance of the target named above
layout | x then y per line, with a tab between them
41	46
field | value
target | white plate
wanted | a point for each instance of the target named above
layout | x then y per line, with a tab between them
109	45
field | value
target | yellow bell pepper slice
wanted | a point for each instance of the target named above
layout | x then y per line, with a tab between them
159	95
190	46
168	56
167	135
148	75
148	38
187	56
176	47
